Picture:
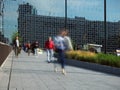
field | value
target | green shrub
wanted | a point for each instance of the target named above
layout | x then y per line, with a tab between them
108	59
104	59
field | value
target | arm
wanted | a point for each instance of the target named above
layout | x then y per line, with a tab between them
68	43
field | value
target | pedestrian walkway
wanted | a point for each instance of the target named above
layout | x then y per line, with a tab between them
34	73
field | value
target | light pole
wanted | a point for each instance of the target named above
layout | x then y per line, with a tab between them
2	16
105	42
2	3
65	14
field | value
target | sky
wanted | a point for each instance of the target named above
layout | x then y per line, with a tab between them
90	9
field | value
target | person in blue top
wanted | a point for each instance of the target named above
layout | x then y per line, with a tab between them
60	46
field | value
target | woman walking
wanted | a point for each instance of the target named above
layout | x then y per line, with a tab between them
62	44
60	48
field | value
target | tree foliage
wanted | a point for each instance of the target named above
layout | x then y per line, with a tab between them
15	34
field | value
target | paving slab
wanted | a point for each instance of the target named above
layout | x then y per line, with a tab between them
34	73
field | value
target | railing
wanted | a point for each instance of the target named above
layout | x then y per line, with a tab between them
4	52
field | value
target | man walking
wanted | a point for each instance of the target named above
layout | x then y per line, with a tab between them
16	46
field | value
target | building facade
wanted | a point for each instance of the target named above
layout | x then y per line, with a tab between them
33	27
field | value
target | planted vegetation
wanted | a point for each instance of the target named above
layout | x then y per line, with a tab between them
100	58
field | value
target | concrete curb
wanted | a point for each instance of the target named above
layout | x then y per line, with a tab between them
94	67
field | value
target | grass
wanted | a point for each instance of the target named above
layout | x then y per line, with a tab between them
100	58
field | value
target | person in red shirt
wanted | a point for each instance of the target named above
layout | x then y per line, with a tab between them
49	45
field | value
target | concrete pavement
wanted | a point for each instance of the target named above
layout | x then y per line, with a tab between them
34	73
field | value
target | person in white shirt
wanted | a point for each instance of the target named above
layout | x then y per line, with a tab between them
16	46
60	48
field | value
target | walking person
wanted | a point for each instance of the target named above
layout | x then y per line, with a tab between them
28	48
49	46
36	46
16	46
60	48
32	48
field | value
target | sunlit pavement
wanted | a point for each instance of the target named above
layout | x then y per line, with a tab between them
34	73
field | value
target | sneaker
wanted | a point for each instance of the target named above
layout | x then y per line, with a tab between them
49	61
63	71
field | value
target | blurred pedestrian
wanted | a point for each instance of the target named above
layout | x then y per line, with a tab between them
28	48
32	48
49	46
16	46
36	46
60	47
